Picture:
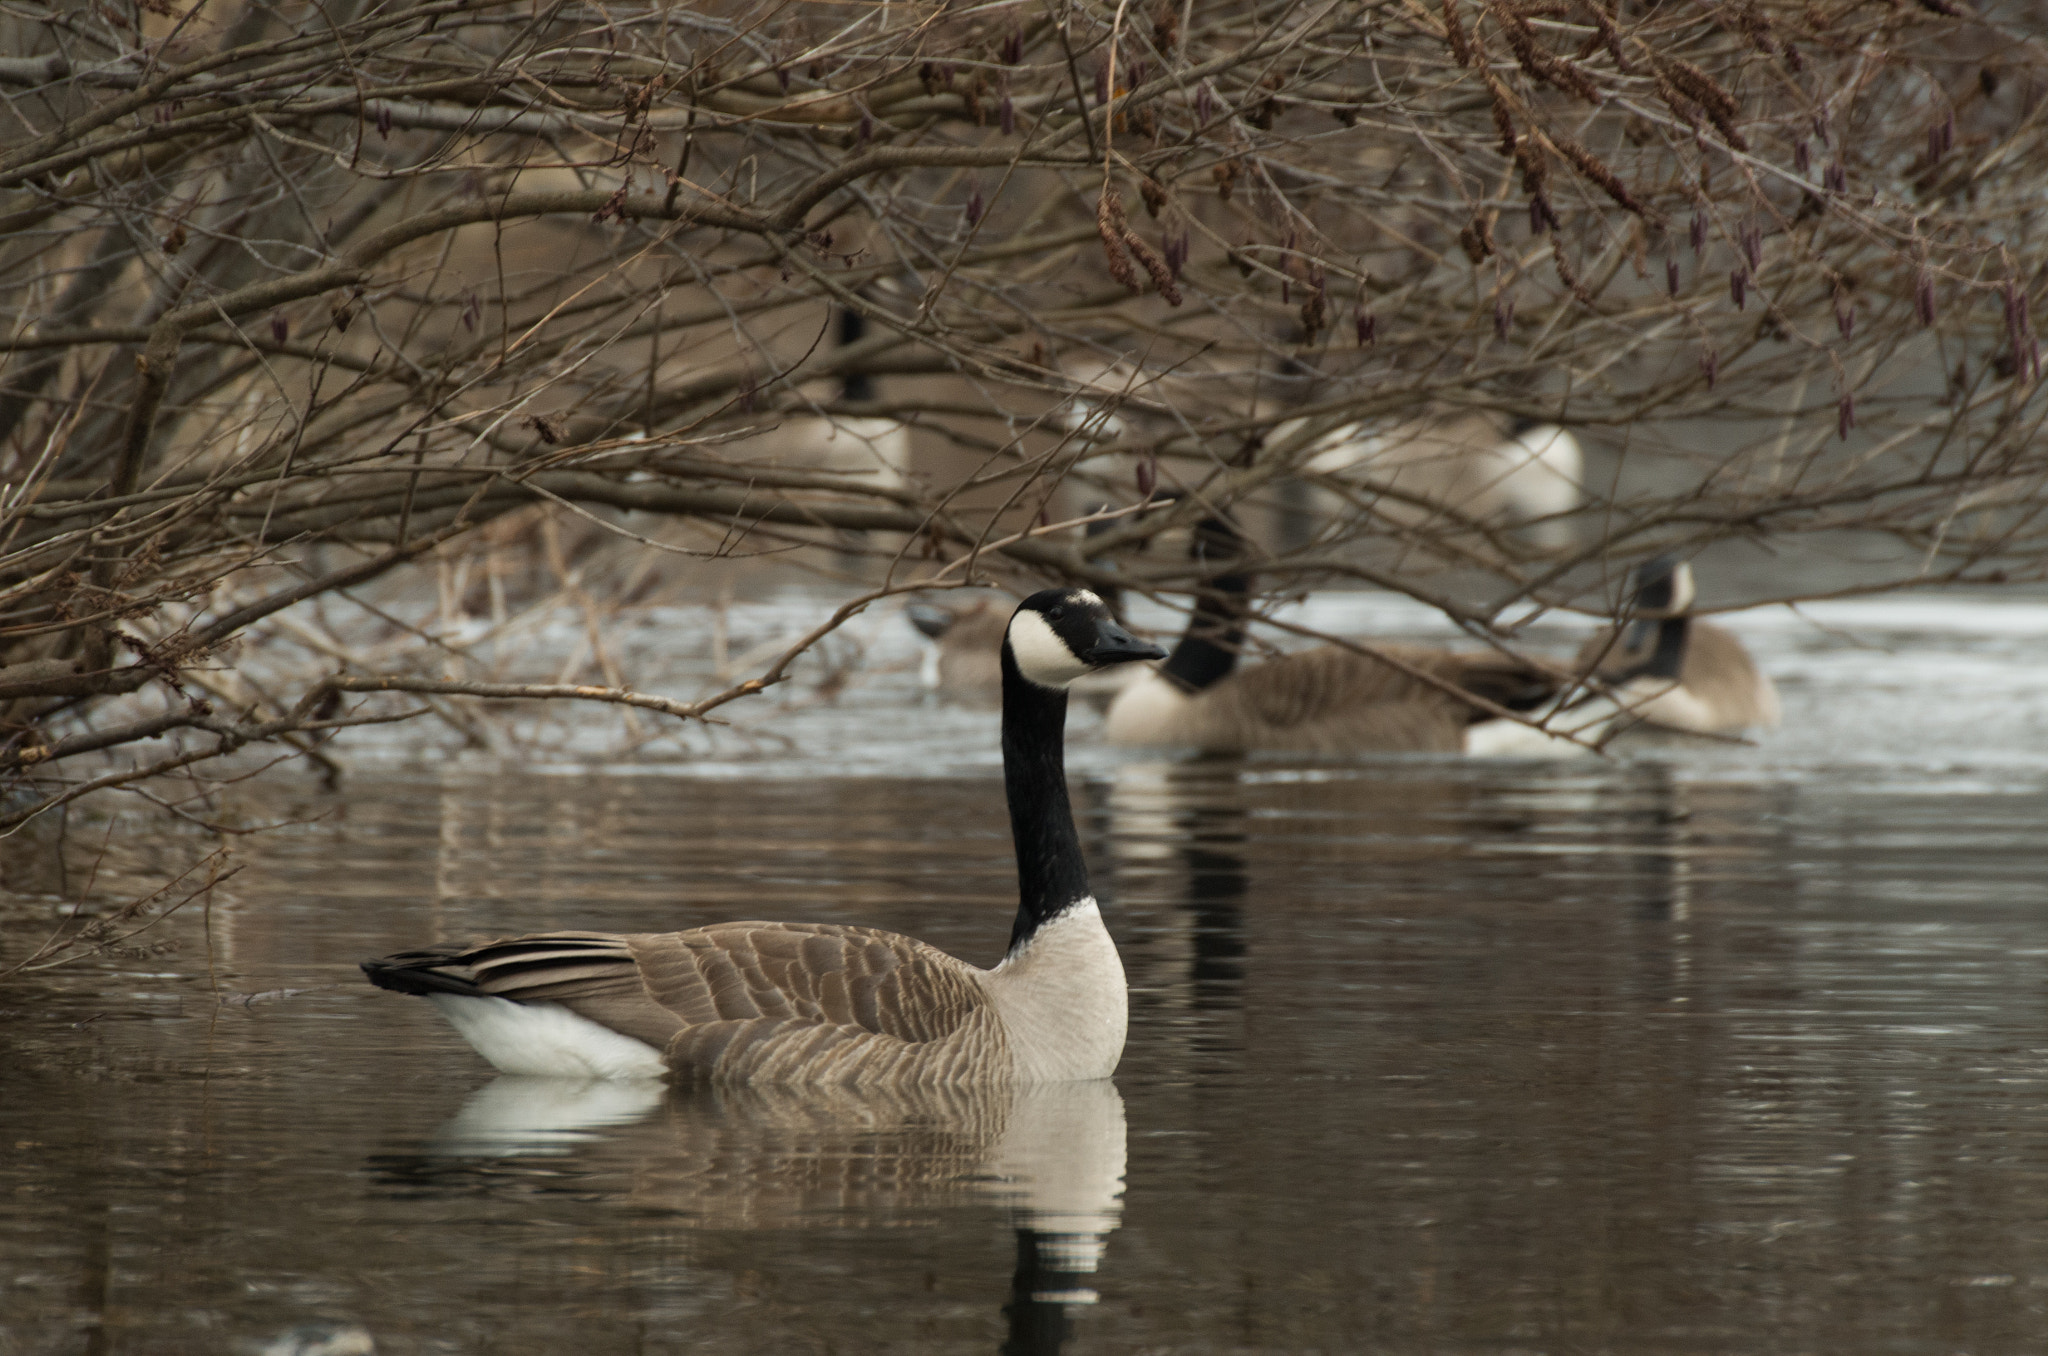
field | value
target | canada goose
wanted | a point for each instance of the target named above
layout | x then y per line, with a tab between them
965	659
826	1003
874	450
1666	670
1527	478
1321	700
1676	671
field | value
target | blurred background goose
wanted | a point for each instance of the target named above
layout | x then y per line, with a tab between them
1675	671
1665	670
964	660
1327	700
826	1003
874	449
1526	479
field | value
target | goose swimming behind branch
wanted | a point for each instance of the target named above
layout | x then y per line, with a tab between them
1665	669
1528	479
826	1003
1326	700
869	450
1681	673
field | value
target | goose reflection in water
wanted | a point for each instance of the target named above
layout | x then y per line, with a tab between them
1180	832
747	1157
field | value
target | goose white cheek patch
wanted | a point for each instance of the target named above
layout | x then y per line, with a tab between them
1682	593
1041	655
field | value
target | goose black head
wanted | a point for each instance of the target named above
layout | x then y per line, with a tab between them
1662	587
1059	635
931	620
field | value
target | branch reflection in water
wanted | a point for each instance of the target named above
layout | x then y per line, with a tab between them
1052	1155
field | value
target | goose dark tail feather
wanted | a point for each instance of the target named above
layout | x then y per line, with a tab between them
417	972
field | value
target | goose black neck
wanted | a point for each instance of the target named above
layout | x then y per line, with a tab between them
1051	873
1208	649
1668	659
855	387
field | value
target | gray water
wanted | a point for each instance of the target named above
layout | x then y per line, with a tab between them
1736	1052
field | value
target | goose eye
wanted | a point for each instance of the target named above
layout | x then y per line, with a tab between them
1056	612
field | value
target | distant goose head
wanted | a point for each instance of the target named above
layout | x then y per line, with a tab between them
1661	587
1057	636
1660	606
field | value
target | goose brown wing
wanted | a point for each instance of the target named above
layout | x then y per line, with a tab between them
726	998
879	982
1328	682
776	1001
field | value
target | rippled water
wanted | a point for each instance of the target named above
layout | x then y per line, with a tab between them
1735	1053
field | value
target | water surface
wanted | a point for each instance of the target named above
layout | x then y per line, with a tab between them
1734	1051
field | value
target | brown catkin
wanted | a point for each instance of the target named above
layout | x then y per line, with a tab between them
1477	238
1609	35
1454	33
1566	274
1718	104
1503	121
1109	224
1540	62
1162	276
1599	172
1535	165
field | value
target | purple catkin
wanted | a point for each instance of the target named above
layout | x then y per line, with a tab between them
1699	234
1835	179
280	328
1147	474
1535	216
1175	247
1820	126
1923	296
1802	158
1710	366
1845	317
1845	416
1006	116
975	206
1503	316
1205	104
1753	246
384	120
1738	285
1671	275
1368	326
